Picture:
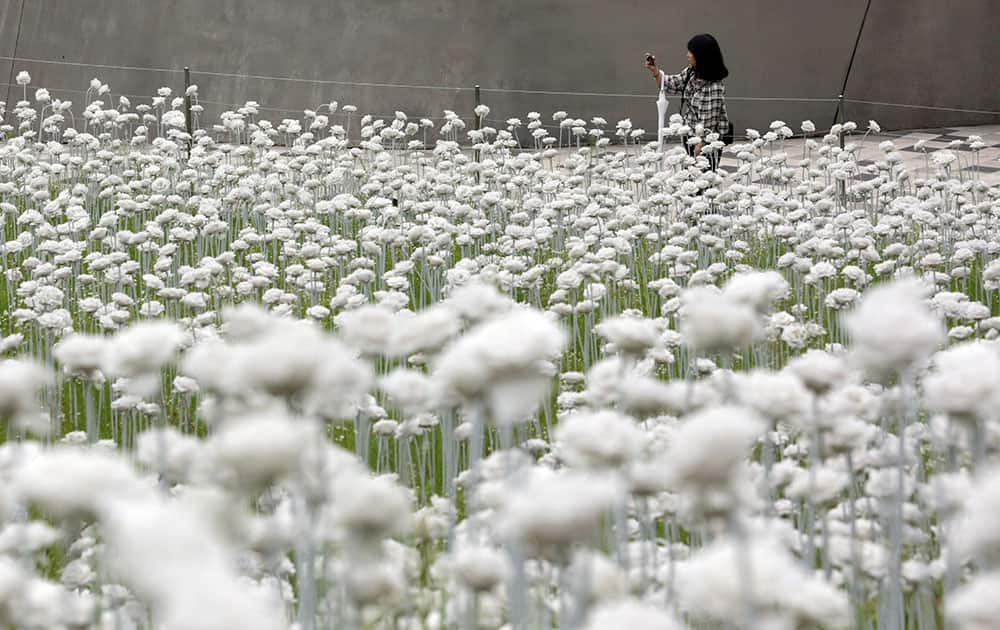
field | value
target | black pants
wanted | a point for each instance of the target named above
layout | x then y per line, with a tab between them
713	157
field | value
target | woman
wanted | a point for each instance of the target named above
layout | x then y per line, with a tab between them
703	95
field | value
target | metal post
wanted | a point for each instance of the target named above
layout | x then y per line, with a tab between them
840	117
187	108
13	61
478	125
478	103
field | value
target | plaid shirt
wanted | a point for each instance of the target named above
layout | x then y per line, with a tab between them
703	102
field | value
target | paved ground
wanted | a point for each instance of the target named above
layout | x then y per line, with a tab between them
985	165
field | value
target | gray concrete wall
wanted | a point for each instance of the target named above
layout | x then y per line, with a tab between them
927	52
774	48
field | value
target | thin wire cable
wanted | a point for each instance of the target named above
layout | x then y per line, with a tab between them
202	101
790	99
78	91
265	77
633	95
455	88
79	64
212	73
932	107
470	118
850	64
17	40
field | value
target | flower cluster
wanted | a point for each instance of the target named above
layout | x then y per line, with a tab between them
343	371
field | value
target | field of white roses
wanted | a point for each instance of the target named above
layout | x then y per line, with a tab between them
274	376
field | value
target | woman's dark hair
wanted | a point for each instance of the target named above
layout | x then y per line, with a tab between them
707	58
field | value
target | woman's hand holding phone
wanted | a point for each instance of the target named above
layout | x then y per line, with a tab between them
651	63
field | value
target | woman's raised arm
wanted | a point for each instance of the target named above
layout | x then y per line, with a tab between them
673	83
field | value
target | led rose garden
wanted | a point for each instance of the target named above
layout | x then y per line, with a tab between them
270	375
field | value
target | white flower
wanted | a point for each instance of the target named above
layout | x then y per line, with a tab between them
631	615
11	342
778	396
142	349
427	331
759	290
710	445
818	370
81	355
943	158
378	582
821	484
975	534
185	571
70	483
370	507
477	302
412	391
712	322
168	452
19	383
339	383
597	579
29	601
555	509
480	568
251	453
892	328
77	574
27	538
369	329
645	396
965	382
284	361
185	385
503	362
795	334
630	335
602	439
714	585
839	299
975	605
